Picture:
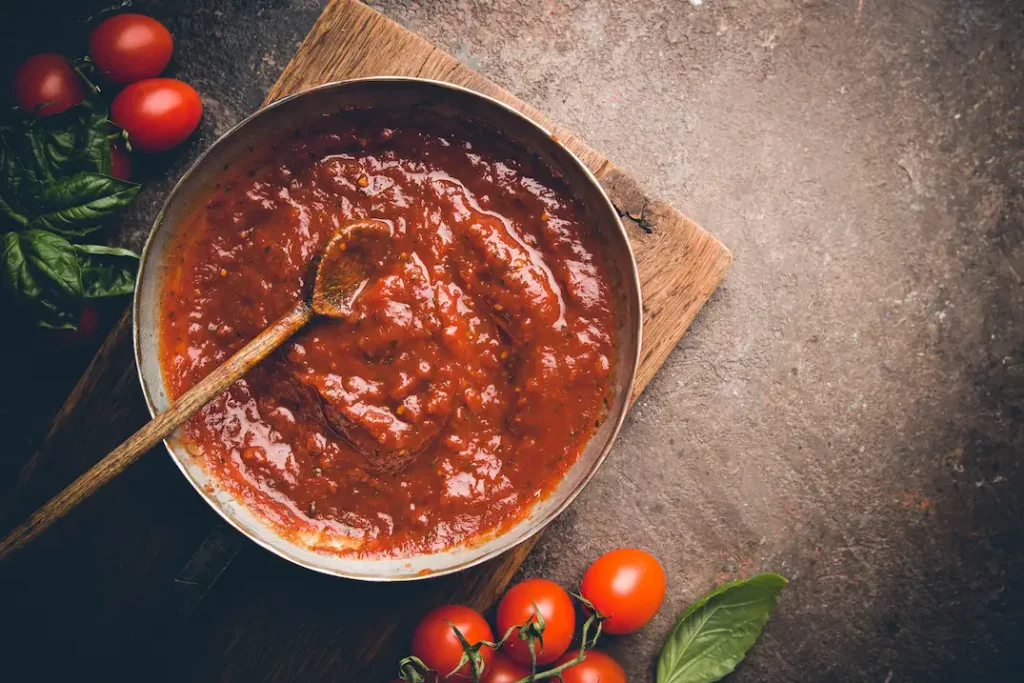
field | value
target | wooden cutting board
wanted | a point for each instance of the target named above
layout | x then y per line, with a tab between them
167	588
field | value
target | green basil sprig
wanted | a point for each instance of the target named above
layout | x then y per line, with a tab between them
713	635
106	271
77	142
77	205
56	188
42	270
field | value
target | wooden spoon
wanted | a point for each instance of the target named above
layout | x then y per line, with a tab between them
342	271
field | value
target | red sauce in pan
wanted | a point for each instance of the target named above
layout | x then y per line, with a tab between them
476	366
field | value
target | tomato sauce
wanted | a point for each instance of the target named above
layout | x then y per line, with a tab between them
476	365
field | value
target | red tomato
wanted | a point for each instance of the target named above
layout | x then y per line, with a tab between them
596	667
130	47
436	644
554	605
504	670
626	585
47	79
120	162
88	327
158	113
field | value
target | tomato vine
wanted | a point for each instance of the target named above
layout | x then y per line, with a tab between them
413	670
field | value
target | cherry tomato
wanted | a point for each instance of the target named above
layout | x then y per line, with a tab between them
504	670
47	79
88	327
158	113
436	644
554	605
626	585
596	667
130	47
120	162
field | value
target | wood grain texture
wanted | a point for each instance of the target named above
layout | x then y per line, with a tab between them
264	619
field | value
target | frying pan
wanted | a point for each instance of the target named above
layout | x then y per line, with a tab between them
393	95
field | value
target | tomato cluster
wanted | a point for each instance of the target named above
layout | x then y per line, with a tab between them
536	621
129	50
155	114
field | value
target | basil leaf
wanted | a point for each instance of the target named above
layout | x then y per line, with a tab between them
74	141
41	273
29	148
11	213
34	152
14	183
107	271
95	150
75	206
712	636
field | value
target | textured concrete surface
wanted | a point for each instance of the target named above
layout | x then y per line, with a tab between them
848	408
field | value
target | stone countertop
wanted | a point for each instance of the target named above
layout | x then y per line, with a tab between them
847	410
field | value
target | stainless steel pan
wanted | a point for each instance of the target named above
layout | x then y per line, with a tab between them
391	94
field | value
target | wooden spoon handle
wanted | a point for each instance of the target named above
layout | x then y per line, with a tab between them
159	427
